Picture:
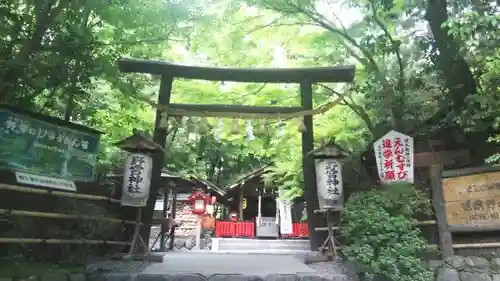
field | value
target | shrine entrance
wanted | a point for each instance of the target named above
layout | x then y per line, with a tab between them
306	77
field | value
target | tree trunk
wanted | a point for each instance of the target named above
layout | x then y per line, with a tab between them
456	72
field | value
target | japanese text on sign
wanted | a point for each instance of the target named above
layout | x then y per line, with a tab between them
394	155
332	180
41	145
15	125
472	199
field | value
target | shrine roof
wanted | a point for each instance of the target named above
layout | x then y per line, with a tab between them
256	173
209	186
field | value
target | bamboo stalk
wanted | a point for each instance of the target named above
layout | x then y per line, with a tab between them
56	193
419	223
477	245
58	241
61	216
429	222
468	245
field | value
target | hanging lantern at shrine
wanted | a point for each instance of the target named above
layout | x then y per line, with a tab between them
203	126
302	127
249	131
178	120
235	128
199	202
163	120
281	129
184	120
262	127
218	130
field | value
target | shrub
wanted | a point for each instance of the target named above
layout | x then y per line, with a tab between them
379	233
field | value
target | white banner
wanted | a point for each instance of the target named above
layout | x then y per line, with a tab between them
394	155
136	180
45	181
285	217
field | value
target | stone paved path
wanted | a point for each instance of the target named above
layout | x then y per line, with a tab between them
210	263
217	267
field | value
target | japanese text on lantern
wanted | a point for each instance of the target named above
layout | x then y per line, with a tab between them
394	153
135	178
332	180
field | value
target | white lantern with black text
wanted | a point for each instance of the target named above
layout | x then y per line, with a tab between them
329	176
329	182
136	179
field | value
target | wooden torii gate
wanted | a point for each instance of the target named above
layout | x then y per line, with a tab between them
306	77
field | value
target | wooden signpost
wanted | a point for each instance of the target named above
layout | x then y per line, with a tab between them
472	200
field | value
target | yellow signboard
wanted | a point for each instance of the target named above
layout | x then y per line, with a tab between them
244	203
472	200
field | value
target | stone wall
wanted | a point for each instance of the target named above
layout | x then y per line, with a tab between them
459	268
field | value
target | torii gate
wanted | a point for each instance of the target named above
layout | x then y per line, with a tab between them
304	76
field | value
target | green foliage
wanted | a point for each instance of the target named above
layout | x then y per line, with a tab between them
378	228
61	55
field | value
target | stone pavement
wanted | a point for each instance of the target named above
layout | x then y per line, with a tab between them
178	266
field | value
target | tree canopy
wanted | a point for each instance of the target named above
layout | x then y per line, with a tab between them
420	65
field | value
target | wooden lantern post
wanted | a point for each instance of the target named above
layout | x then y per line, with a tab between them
328	161
136	184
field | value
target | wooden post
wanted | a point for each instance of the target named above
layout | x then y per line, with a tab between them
174	213
240	204
308	169
165	207
445	239
198	235
160	137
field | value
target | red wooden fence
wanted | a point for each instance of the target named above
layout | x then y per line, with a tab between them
247	229
235	229
299	230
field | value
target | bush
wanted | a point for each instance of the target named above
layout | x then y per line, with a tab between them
379	233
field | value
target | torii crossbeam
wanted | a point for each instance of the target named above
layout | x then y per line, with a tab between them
303	76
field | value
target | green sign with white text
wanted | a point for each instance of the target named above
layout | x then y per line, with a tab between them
47	146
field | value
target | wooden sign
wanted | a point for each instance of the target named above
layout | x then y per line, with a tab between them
395	158
472	201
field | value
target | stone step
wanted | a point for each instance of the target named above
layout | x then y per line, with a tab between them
257	242
236	245
265	245
263	251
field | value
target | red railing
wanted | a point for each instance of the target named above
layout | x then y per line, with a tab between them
247	229
235	229
299	230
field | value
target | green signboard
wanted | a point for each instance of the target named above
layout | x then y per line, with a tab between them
47	146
